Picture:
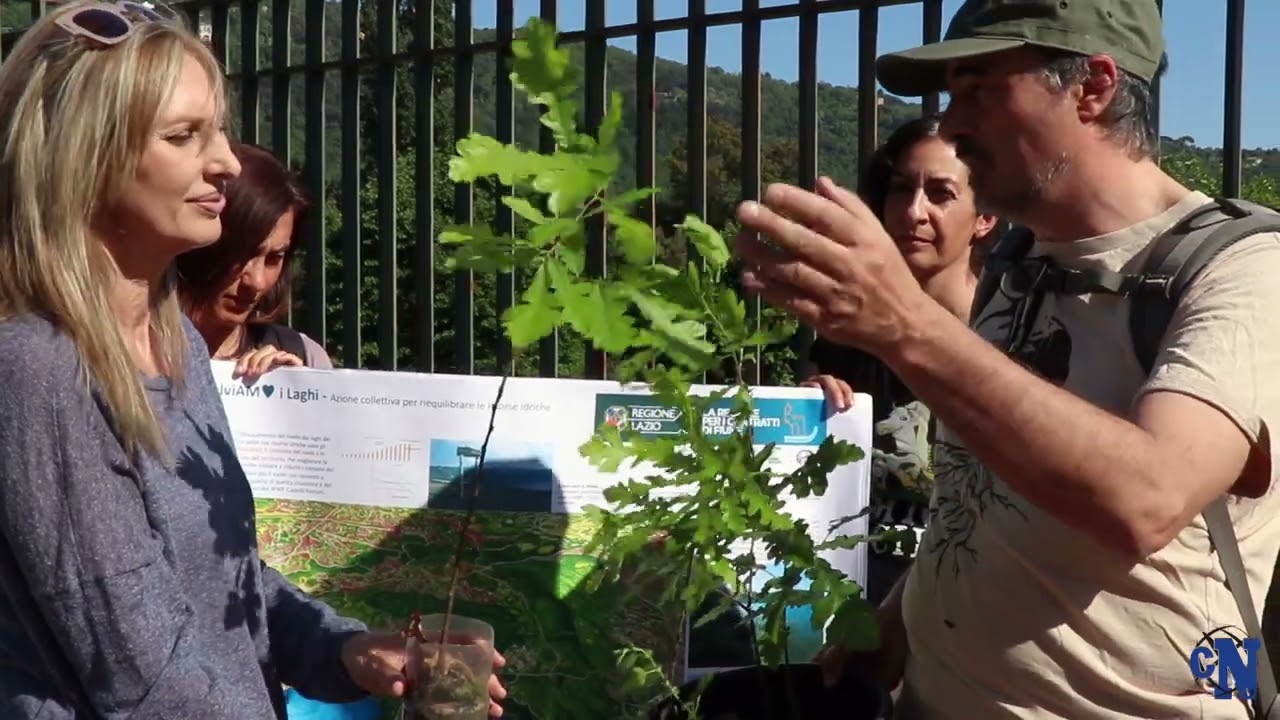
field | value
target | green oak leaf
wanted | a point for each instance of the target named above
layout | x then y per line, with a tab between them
635	237
855	625
599	315
480	156
567	185
561	119
683	339
623	202
524	209
536	315
480	249
538	66
553	230
711	247
612	121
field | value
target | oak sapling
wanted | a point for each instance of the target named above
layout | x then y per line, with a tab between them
448	667
714	497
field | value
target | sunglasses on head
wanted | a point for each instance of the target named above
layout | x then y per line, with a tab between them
111	23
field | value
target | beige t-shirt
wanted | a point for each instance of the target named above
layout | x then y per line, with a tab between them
1012	614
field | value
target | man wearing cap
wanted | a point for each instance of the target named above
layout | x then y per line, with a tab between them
1066	572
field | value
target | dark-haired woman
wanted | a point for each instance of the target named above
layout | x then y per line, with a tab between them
920	190
237	289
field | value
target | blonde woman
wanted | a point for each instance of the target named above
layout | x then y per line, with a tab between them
130	584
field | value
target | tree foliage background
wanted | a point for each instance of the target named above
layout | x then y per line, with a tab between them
360	248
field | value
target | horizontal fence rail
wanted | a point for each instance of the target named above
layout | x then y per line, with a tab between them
366	100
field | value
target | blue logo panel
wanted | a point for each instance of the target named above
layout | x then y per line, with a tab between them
784	421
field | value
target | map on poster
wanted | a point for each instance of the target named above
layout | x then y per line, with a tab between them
360	481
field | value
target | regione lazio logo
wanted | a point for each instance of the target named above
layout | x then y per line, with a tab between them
638	414
616	416
1227	661
775	420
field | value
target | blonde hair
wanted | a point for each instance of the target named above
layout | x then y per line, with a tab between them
75	118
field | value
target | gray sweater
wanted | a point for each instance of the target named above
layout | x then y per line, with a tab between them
139	595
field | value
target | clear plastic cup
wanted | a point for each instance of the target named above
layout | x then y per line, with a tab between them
461	690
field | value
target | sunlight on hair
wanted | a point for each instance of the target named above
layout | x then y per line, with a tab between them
75	117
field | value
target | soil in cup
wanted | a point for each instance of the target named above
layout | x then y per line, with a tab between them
455	694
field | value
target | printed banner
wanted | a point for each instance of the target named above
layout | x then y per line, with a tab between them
362	478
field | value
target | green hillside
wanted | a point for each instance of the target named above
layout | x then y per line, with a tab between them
362	291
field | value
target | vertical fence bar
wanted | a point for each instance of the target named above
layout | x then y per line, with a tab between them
549	346
281	81
464	193
868	93
808	161
808	93
385	158
696	125
281	94
352	275
647	113
316	288
218	31
1233	100
506	133
38	9
250	111
1154	120
646	108
596	101
193	18
696	108
424	199
932	32
751	26
10	34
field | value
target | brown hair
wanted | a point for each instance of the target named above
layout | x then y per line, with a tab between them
256	200
874	187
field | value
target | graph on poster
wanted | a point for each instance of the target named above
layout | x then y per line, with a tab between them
384	452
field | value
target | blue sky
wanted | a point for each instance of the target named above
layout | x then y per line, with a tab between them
1192	93
445	452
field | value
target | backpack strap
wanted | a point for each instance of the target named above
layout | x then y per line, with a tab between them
1009	251
1011	255
1222	535
1178	257
1175	260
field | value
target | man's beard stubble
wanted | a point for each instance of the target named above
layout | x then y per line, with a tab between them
1014	202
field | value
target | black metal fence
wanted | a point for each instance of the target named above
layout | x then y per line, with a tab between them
366	99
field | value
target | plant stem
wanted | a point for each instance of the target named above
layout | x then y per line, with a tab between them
751	576
466	526
682	627
751	619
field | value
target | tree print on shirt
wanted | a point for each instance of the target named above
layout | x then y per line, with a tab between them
1046	351
1026	329
1040	343
966	491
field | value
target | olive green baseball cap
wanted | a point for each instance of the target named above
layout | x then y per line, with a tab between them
1130	31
